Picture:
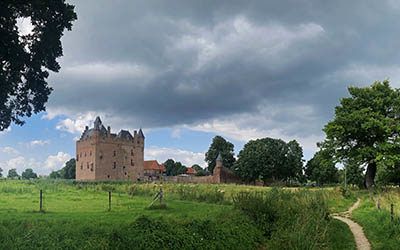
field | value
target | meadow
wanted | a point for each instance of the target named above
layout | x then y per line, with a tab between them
77	216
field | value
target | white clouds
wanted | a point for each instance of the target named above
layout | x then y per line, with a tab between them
52	162
76	125
9	150
104	72
7	130
20	163
38	143
55	162
161	154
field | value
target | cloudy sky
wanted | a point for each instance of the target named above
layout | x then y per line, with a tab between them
188	70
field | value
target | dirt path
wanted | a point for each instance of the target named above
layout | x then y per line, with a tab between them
359	236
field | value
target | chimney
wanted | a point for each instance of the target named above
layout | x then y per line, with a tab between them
134	133
86	128
109	130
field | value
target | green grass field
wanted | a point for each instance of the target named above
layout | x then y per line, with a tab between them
76	216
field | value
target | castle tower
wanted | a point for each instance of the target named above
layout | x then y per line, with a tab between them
218	165
103	155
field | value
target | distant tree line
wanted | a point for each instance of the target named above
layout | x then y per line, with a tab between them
67	172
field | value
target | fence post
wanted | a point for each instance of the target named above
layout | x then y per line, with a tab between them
41	201
392	212
109	200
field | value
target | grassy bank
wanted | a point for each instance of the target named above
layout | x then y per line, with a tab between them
196	217
378	227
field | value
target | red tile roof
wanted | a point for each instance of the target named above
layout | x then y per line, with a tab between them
153	165
191	171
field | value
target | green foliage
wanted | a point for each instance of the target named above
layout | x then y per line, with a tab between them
268	159
25	59
199	170
296	220
12	174
220	146
173	168
67	172
354	174
28	174
366	128
321	169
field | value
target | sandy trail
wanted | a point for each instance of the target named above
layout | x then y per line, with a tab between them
359	236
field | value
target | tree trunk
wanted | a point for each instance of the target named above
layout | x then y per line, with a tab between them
370	175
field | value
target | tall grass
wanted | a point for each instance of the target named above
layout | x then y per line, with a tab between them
290	220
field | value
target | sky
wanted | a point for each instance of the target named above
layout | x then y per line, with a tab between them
185	71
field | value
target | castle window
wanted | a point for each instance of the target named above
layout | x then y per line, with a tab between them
85	154
77	157
125	173
132	164
132	152
90	153
87	165
115	165
81	167
108	176
101	157
115	153
123	167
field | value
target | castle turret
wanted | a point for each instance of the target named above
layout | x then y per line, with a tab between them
219	161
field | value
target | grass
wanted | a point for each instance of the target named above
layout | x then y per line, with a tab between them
339	236
378	227
199	216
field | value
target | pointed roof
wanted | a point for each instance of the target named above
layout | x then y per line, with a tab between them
141	133
97	123
125	135
219	158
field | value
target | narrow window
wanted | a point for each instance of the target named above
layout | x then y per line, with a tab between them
90	153
115	165
108	176
125	173
132	162
81	167
131	152
87	165
85	154
115	153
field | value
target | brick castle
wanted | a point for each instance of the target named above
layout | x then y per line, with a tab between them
102	155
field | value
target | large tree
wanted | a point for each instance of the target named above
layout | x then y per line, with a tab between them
270	159
28	174
365	129
321	169
26	58
220	146
67	172
173	168
12	173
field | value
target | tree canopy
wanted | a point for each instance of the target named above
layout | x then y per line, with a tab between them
270	159
67	172
12	174
28	174
26	58
225	148
365	129
173	168
321	169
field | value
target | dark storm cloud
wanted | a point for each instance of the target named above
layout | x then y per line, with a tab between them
164	63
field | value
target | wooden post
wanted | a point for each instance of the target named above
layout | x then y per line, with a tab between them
109	201
392	212
41	201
